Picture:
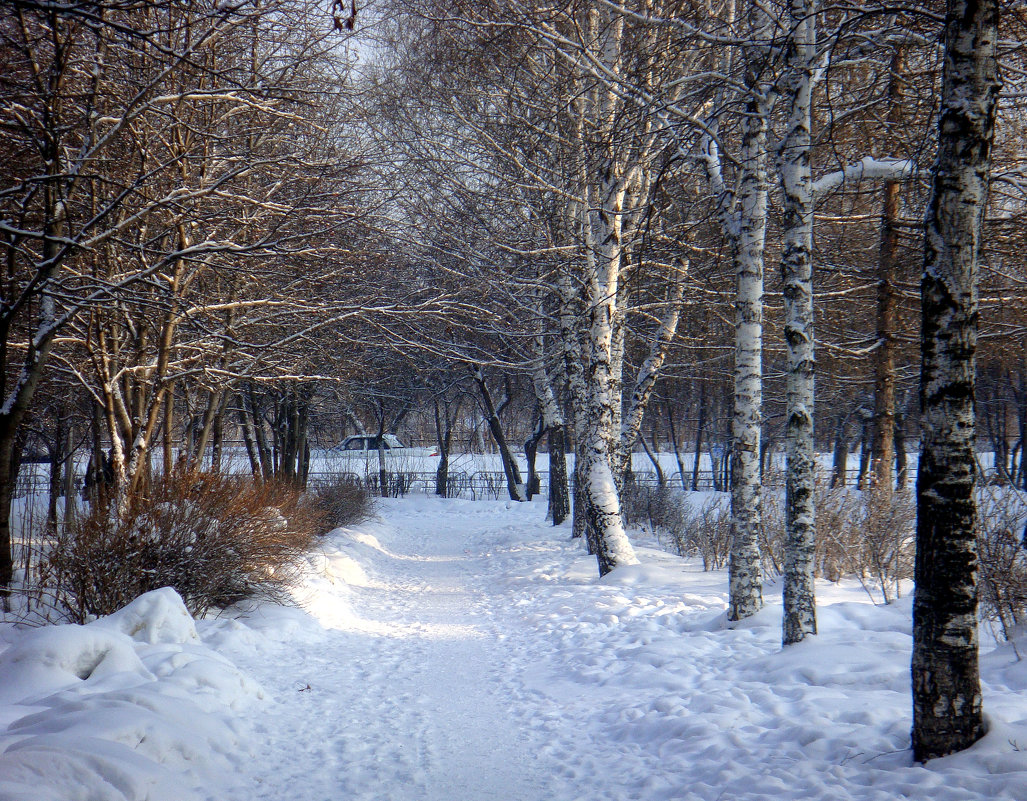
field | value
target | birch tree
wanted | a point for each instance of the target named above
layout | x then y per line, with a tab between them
794	170
946	682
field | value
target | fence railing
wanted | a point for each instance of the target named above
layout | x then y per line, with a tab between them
478	485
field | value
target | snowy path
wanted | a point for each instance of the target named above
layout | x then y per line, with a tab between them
462	651
465	652
409	699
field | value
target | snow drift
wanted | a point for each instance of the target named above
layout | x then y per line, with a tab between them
132	706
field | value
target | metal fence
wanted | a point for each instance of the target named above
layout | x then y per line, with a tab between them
480	485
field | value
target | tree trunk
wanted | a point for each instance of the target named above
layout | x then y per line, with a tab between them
9	463
745	579
168	432
206	428
674	443
887	275
69	476
648	374
570	326
16	405
534	485
579	527
217	435
444	438
98	489
559	492
57	458
247	436
602	504
796	273
514	482
555	424
884	361
865	435
840	458
901	470
946	680
697	453
383	470
303	442
260	437
661	479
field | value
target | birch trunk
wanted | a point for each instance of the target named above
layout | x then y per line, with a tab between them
553	420
796	272
745	584
576	382
945	673
645	381
602	503
559	489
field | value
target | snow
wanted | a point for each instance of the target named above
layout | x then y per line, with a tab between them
460	650
132	706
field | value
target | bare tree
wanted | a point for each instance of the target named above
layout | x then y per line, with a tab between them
71	119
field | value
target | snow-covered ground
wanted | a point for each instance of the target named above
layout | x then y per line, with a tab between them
464	651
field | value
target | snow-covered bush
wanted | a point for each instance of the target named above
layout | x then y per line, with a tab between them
214	539
343	500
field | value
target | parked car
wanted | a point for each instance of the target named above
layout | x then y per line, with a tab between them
363	443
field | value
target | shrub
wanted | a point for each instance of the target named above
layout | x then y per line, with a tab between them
343	500
703	531
866	534
216	540
650	508
396	485
1003	560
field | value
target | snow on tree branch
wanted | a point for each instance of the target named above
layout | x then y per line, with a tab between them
866	169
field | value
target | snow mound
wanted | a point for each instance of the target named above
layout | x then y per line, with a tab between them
157	616
129	707
53	659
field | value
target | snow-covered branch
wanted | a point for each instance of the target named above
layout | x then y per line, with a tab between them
866	169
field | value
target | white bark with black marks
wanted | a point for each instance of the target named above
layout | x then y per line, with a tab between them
793	160
745	581
946	681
